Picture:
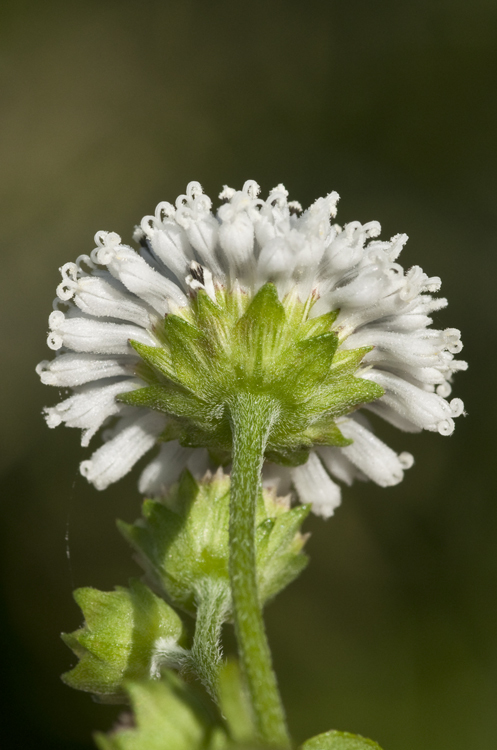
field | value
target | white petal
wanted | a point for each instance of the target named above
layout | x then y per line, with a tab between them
83	334
95	296
363	290
420	349
137	276
424	409
116	458
76	369
314	486
416	281
392	416
171	245
344	249
339	465
89	408
194	215
203	233
378	462
236	233
164	469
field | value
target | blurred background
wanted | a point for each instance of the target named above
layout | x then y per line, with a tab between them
106	108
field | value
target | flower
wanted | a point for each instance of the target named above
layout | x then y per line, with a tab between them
137	331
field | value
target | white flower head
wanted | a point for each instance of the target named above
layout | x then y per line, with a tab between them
136	331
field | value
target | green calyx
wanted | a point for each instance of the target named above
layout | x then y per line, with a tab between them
183	542
212	351
117	640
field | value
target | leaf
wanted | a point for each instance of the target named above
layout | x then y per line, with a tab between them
279	546
235	704
167	715
211	318
339	741
183	539
117	638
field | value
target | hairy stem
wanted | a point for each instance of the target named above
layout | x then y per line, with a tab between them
251	419
213	599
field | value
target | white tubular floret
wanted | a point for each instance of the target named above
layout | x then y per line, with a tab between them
170	244
96	296
314	486
88	335
416	281
337	464
90	408
68	370
236	231
375	459
140	278
135	437
193	213
364	290
380	311
164	469
424	409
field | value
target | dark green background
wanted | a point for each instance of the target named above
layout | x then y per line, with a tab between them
107	108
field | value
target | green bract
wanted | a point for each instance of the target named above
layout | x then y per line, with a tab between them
117	640
183	541
212	351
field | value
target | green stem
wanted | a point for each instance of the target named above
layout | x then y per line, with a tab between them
251	419
213	601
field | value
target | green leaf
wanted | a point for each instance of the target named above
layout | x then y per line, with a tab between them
279	546
167	715
116	642
339	741
235	704
183	540
211	319
172	431
178	331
